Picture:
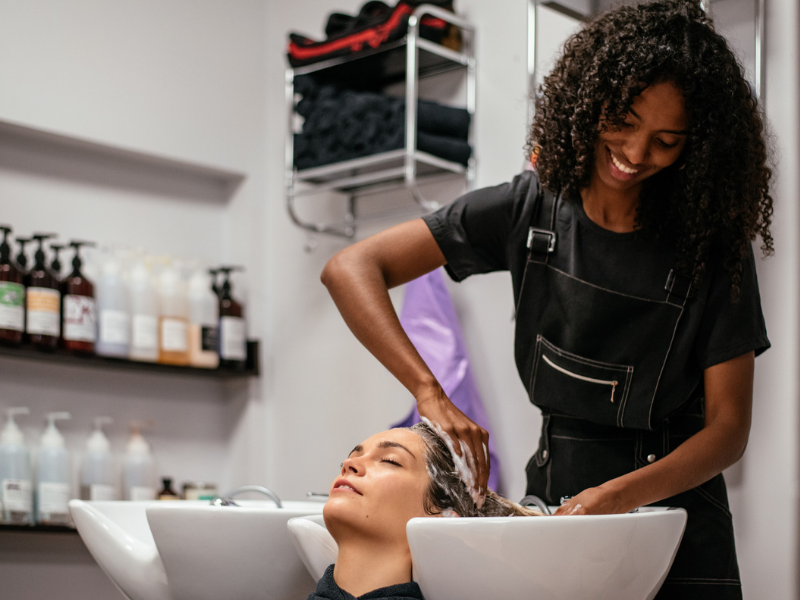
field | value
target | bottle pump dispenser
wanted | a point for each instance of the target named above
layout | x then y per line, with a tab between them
78	328
203	322
15	472
55	266
12	295
43	316
53	475
22	258
98	481
232	328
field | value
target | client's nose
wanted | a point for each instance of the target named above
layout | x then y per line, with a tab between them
350	466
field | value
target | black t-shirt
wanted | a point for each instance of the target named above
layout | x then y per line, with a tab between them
482	232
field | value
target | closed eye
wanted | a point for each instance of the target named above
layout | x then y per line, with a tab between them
664	144
391	461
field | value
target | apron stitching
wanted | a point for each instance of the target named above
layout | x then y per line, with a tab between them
586	361
712	500
625	394
610	291
663	366
547	488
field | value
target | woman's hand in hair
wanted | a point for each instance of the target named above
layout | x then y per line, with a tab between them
434	405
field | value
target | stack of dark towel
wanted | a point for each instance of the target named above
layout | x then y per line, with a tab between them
341	124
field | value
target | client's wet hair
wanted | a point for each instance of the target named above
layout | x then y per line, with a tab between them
446	491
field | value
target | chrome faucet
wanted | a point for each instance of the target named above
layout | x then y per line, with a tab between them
537	502
227	499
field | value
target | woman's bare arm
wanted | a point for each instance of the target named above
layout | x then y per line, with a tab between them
358	279
721	442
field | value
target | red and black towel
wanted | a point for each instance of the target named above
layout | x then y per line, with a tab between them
376	23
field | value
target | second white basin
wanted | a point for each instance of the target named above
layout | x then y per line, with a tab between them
190	550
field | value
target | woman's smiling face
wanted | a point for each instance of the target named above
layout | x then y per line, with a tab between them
381	486
651	138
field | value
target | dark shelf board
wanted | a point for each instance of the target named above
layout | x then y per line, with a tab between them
115	364
39	529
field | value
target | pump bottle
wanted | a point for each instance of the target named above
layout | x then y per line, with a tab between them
16	506
52	475
138	477
144	313
22	257
55	266
43	315
173	323
113	311
204	319
12	295
97	472
79	311
232	328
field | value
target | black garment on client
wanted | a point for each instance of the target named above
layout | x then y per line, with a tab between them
328	590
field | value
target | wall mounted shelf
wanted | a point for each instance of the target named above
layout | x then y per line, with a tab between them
408	59
115	364
208	181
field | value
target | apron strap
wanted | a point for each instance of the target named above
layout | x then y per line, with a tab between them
541	240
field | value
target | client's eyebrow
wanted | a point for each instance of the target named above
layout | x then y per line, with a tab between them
383	444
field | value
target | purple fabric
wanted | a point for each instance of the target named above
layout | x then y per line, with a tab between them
429	318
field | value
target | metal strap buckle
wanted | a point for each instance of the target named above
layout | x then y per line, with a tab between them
676	284
533	232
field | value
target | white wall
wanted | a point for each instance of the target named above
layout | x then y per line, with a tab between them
203	81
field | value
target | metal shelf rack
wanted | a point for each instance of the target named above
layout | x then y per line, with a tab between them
411	59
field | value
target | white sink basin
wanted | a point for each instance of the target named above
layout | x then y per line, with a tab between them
189	550
602	557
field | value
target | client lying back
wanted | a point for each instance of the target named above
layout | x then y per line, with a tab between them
387	480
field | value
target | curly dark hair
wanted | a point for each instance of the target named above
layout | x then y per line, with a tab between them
715	199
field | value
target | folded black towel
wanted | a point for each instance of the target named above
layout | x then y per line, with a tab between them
327	589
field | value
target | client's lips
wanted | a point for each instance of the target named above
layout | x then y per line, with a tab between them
345	486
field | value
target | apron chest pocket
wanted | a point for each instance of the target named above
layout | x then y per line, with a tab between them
578	386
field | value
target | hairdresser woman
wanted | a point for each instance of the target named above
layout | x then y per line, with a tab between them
638	315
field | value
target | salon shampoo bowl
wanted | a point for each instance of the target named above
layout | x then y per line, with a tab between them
598	557
186	550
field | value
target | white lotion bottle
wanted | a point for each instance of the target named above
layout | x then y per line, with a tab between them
113	311
203	321
173	324
16	494
52	475
144	313
138	475
98	481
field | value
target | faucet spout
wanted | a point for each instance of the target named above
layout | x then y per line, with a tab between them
227	499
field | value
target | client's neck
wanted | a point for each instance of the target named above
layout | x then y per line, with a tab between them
362	567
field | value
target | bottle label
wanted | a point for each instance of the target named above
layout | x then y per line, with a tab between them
79	318
16	495
44	311
140	493
145	332
208	338
53	499
115	327
233	339
100	492
12	306
173	335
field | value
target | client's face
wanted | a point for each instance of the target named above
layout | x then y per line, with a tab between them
381	486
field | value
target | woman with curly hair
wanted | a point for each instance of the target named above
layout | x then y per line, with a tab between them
638	314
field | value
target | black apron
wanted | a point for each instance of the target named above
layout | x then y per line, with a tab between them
594	361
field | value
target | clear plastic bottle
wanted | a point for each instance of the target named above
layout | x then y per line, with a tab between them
16	497
52	475
173	322
138	477
113	310
98	476
203	320
144	312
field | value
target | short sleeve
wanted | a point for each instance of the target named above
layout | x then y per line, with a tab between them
474	231
730	327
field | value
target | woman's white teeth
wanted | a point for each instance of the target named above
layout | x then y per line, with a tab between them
622	167
347	487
